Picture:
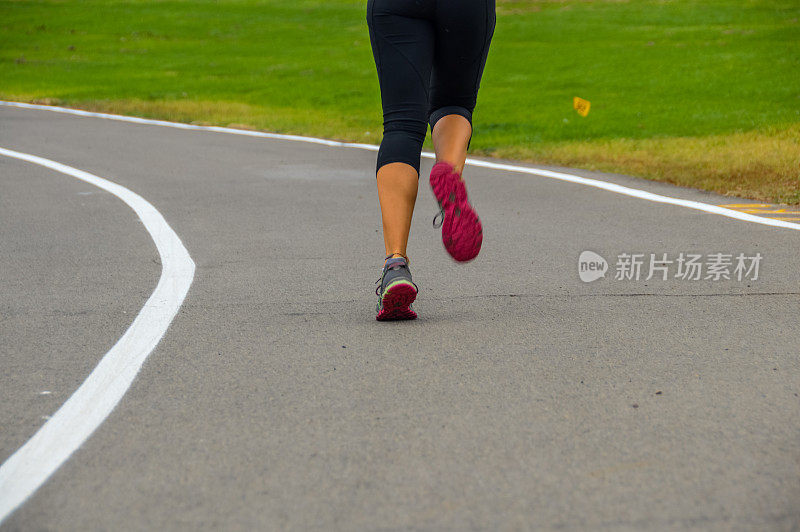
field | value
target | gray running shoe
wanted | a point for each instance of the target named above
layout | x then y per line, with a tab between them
396	291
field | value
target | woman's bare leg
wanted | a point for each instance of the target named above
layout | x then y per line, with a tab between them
450	136
397	193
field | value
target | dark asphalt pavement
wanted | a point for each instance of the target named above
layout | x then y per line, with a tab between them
522	398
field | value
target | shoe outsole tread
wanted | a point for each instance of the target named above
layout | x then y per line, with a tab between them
396	302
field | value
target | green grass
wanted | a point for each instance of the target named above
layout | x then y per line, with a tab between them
679	89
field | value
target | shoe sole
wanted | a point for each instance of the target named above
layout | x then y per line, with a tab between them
396	302
462	233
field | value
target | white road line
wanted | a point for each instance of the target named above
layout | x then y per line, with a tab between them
596	183
641	194
33	463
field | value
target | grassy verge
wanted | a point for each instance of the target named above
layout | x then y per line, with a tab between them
699	93
763	165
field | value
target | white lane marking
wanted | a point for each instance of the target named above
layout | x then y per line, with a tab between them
66	430
641	194
596	183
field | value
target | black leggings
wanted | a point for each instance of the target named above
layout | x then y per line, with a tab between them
430	56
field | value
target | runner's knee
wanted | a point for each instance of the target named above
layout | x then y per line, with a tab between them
402	143
441	112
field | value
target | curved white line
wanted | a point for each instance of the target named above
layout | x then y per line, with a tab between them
33	463
596	183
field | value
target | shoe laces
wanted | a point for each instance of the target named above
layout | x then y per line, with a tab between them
385	269
439	215
454	195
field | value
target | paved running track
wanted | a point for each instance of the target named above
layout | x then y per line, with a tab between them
522	398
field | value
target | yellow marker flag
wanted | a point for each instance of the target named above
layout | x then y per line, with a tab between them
581	105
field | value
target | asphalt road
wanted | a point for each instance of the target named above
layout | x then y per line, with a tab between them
522	398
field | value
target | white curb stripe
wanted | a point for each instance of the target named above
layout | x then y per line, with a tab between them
596	183
641	194
33	463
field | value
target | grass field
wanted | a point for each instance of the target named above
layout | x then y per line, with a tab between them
698	93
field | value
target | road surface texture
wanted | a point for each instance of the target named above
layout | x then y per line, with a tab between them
522	398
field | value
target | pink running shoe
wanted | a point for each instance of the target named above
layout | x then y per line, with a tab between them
462	234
